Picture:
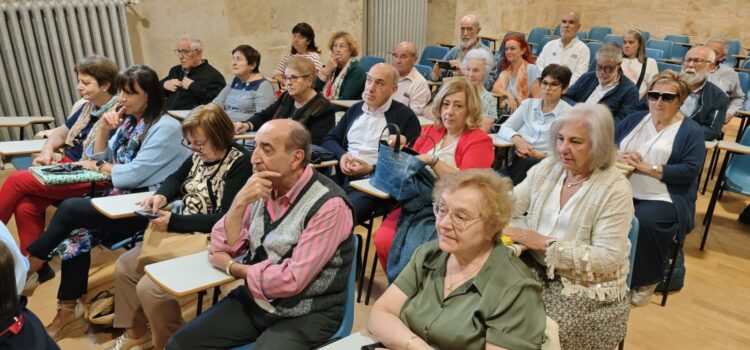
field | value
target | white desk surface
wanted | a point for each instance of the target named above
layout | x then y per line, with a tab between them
187	274
14	148
246	136
326	164
23	121
353	341
365	186
734	147
118	207
425	121
179	114
500	142
344	103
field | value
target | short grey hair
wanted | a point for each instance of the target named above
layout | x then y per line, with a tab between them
195	43
610	51
721	41
711	54
480	54
600	122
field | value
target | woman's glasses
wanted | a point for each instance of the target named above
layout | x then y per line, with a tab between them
460	221
665	96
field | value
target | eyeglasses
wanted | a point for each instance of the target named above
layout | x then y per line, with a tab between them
665	96
294	77
606	69
460	221
187	144
550	84
695	61
401	56
180	52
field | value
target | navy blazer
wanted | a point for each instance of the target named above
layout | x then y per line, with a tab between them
685	163
336	140
620	100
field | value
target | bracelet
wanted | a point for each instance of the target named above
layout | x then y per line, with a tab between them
408	342
228	269
434	161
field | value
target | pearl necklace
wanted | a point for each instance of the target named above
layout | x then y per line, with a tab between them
571	184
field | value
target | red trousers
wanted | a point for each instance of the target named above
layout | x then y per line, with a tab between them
25	197
384	236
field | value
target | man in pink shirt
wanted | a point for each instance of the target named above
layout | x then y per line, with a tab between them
288	235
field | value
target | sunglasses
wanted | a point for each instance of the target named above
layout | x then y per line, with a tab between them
665	96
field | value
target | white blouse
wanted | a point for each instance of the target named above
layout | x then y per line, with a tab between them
655	147
631	67
447	154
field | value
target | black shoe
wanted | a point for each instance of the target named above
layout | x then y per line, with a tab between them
46	273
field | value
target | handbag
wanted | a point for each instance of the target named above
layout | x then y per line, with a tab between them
159	245
398	171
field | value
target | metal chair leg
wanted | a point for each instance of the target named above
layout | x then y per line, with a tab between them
714	198
217	293
199	308
372	277
369	223
677	249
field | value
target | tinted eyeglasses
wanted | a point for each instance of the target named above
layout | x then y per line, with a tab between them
665	96
606	69
550	84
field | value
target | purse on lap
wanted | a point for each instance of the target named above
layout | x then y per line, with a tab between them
398	171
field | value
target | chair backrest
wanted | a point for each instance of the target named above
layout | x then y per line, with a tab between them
424	70
664	66
432	52
633	238
598	33
677	38
556	32
487	43
593	48
744	81
536	34
368	61
733	48
543	42
617	39
582	35
656	54
738	170
663	45
645	36
679	52
745	64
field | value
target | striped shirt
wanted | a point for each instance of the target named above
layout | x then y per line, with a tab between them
324	232
312	56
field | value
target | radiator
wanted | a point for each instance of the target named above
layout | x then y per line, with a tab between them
40	43
392	21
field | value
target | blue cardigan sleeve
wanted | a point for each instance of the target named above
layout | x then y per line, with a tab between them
686	160
334	140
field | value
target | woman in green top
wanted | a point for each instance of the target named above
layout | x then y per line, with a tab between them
342	78
466	290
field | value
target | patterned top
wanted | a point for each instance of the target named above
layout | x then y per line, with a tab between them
241	100
489	104
312	56
205	181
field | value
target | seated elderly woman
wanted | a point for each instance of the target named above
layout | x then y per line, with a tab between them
466	290
303	45
455	142
249	92
667	152
475	66
527	127
518	76
636	66
27	198
579	213
299	102
606	85
143	150
342	78
206	183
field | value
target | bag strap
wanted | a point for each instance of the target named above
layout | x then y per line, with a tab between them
643	74
397	143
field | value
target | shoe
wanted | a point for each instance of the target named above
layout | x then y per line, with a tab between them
32	281
125	343
46	273
74	328
641	296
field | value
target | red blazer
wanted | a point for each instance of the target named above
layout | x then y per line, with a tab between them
473	150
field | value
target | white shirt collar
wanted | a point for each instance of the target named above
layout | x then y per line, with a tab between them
381	110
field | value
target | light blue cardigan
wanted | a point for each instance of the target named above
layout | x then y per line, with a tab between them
159	156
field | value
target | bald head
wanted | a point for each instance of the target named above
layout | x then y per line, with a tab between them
404	57
719	45
381	84
469	30
569	25
286	134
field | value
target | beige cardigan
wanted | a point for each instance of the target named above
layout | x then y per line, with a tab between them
592	256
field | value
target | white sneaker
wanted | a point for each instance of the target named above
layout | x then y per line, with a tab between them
125	343
641	296
32	281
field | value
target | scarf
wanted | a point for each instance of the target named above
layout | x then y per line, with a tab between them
128	141
87	111
333	87
521	90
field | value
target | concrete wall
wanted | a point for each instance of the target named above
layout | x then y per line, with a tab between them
224	24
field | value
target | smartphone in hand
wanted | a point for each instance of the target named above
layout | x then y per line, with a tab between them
146	214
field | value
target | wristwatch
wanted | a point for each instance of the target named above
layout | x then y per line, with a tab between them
434	160
99	165
654	169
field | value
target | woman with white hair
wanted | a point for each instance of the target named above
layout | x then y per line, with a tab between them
475	66
579	212
605	85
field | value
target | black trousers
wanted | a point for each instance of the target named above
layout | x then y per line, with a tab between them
237	320
517	170
656	232
364	203
77	213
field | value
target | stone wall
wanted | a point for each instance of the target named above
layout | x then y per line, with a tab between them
224	24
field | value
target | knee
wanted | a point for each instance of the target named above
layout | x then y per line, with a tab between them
176	341
149	293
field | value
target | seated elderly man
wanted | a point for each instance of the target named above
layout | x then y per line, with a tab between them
707	104
567	50
355	138
193	82
606	85
413	90
725	77
468	40
293	226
